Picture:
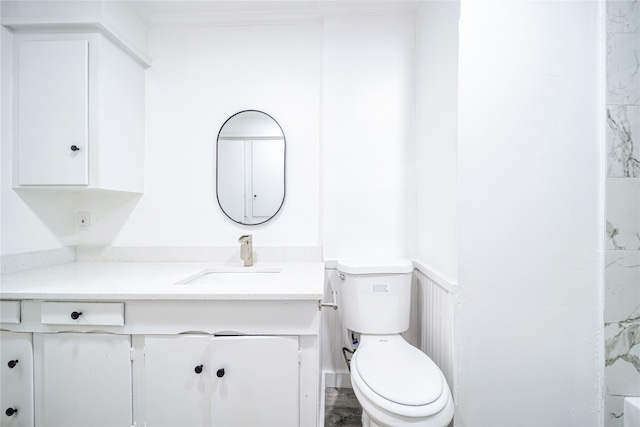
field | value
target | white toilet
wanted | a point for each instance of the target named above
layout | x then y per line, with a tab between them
396	384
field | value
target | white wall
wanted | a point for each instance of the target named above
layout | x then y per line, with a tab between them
437	136
345	85
530	223
3	106
368	149
357	72
200	76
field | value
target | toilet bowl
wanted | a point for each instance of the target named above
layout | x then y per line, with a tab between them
395	383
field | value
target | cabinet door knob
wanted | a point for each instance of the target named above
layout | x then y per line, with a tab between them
76	314
12	363
198	369
220	373
11	411
75	148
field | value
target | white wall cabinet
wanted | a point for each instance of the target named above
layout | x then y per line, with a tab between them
78	113
83	379
52	88
221	381
16	379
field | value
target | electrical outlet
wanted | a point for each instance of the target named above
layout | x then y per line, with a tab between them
84	221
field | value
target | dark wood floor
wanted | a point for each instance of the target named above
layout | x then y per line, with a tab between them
341	408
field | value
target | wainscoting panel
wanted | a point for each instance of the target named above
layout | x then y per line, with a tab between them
436	308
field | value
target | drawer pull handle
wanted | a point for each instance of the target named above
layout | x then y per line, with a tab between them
220	373
11	411
76	314
75	148
198	369
12	363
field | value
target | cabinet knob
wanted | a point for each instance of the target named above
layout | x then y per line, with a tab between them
75	148
76	314
220	373
198	369
11	411
12	363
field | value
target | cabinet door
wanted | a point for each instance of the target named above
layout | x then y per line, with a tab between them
16	379
83	380
52	112
255	381
177	373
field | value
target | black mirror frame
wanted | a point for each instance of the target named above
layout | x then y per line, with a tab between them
284	177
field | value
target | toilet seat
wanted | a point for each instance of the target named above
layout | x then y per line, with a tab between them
399	378
399	372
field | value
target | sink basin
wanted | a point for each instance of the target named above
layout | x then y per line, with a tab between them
232	277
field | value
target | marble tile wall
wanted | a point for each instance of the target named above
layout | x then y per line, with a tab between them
622	256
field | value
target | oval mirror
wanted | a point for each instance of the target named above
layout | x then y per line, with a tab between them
250	169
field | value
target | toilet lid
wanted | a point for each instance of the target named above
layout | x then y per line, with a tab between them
399	372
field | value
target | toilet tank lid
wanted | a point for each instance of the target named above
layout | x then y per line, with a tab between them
374	266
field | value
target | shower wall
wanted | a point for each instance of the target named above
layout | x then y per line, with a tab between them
622	257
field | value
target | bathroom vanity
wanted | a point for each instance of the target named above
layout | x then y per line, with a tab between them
107	344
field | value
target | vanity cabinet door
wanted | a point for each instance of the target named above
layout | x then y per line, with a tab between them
200	380
177	373
255	381
83	379
16	379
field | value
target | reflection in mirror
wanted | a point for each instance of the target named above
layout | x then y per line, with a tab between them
250	172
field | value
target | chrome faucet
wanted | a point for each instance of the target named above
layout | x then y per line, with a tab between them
246	249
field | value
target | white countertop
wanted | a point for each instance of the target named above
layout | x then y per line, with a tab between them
159	281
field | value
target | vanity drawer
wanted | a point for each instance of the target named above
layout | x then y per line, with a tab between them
9	311
83	313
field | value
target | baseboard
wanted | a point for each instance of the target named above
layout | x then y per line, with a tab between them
336	379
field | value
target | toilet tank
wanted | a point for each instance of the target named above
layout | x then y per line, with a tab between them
375	296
